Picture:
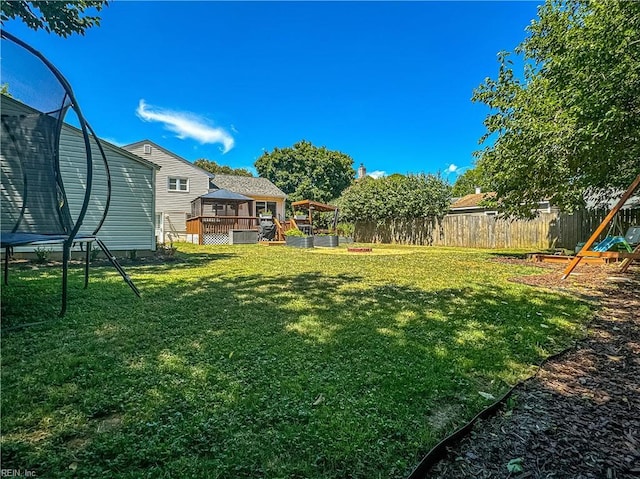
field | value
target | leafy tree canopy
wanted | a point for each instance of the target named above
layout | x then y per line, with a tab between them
396	197
572	123
305	171
468	181
59	17
213	167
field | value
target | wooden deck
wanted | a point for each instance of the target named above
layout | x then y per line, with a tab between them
222	225
217	225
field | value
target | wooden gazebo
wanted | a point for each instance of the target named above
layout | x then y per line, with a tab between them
215	214
223	198
315	206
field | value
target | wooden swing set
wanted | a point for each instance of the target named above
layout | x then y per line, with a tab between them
587	252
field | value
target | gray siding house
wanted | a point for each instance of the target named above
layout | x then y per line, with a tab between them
129	224
180	182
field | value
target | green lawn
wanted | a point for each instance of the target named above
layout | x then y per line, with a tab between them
252	361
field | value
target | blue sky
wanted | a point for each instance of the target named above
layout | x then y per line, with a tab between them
388	83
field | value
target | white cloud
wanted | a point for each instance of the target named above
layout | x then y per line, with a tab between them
186	125
114	142
455	169
377	174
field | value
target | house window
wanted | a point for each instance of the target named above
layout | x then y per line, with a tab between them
178	184
263	206
147	149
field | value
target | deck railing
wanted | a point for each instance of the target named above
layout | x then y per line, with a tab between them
202	225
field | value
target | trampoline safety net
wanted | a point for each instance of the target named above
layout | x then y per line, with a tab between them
36	102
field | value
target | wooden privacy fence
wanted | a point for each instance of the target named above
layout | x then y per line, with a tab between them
548	230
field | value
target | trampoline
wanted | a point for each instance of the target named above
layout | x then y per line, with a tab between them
34	203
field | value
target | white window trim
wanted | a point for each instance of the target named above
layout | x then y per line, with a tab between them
178	179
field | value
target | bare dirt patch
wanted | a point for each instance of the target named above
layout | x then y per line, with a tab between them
109	423
579	417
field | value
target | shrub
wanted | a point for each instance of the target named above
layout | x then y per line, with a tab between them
295	232
346	229
42	254
93	254
163	249
396	197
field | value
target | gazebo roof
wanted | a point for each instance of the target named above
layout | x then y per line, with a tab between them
225	196
314	205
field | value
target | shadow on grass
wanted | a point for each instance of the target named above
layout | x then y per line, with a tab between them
24	300
180	259
511	254
300	374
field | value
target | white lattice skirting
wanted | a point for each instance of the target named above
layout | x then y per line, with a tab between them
219	238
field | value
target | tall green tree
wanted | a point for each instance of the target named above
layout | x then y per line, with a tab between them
570	123
305	171
396	197
213	167
467	182
60	17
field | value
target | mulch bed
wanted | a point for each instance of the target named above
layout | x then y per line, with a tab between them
579	417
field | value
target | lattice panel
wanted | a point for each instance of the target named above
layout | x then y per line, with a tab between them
215	238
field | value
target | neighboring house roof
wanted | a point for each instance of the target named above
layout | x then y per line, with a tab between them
593	201
632	203
223	194
247	185
471	201
170	153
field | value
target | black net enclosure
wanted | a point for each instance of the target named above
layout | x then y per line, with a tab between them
36	101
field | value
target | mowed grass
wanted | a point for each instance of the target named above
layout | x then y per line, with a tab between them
252	361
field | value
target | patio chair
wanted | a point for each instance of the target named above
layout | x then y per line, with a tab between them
35	207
